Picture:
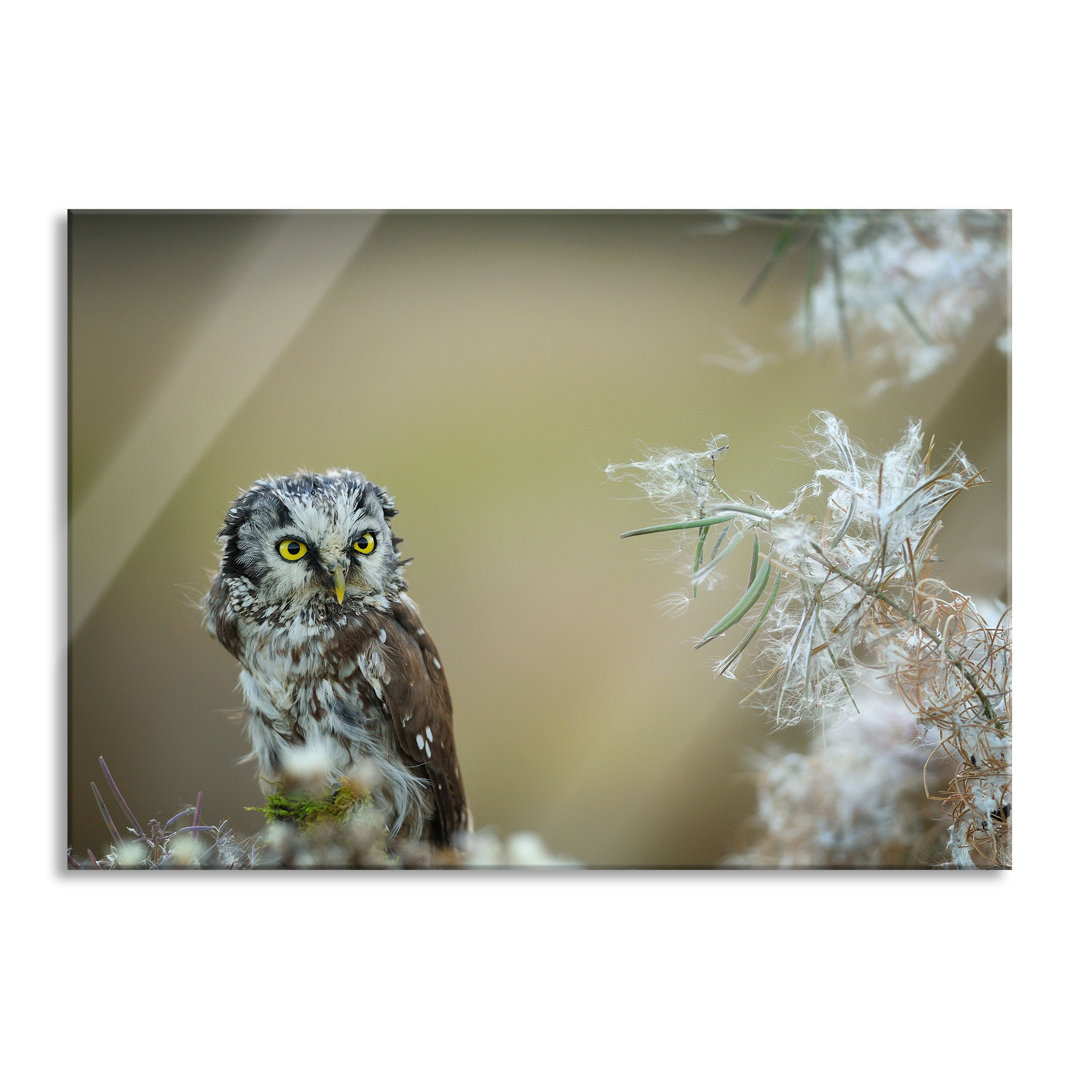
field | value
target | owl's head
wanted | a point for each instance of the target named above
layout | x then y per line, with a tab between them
311	537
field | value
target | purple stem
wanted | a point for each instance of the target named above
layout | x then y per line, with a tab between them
120	798
105	814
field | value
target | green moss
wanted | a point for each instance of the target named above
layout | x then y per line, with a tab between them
304	810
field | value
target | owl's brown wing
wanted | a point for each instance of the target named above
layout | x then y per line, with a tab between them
219	617
418	699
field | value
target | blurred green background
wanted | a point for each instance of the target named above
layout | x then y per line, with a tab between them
485	368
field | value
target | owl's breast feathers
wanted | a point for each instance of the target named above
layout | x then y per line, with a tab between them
379	656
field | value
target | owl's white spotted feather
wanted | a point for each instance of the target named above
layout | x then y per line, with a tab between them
336	665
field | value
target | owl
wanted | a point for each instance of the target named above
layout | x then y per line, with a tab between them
336	666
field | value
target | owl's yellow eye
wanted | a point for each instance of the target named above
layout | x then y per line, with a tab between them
292	549
365	544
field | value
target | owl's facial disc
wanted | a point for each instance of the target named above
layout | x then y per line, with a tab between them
334	558
315	564
304	539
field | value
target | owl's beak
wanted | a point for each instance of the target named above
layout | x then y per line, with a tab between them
339	584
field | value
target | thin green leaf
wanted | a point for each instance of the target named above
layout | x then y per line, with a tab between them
753	563
924	337
729	547
790	231
724	513
719	540
742	607
697	556
734	654
719	520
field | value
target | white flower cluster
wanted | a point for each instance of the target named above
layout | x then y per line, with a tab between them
906	286
855	543
856	799
841	590
675	481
